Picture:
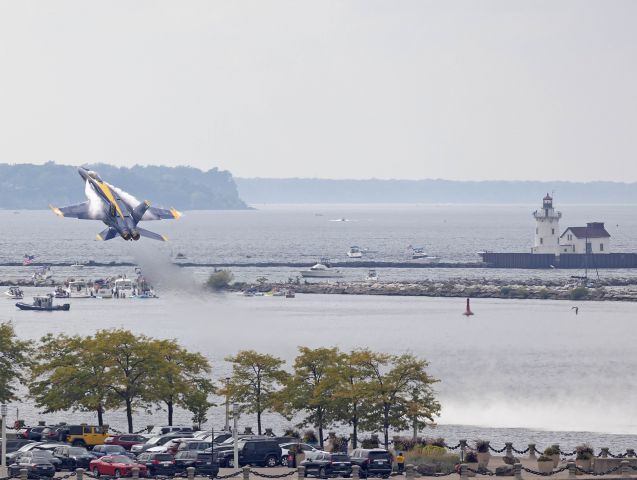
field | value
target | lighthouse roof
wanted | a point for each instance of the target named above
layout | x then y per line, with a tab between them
592	230
548	197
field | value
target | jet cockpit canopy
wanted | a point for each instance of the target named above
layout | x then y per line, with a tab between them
94	175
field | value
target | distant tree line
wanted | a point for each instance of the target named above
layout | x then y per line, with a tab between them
27	186
116	369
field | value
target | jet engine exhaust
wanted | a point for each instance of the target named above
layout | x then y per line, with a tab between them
135	235
126	235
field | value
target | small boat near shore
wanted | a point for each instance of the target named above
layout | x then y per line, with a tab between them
14	293
418	253
355	252
43	303
321	270
372	276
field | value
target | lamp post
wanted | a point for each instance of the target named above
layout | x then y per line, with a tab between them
227	427
3	414
235	414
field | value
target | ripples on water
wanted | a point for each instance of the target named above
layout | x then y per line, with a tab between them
529	364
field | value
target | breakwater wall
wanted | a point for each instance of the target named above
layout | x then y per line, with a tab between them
564	260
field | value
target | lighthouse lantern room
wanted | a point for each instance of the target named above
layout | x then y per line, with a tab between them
547	228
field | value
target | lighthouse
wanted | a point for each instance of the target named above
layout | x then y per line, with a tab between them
547	228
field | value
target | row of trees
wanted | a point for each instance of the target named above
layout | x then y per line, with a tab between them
116	369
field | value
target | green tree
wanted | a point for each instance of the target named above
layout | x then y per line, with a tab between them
311	387
70	373
196	401
351	390
131	363
396	383
254	381
177	372
14	360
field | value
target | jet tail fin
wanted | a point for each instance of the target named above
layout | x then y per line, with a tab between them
107	234
140	210
148	234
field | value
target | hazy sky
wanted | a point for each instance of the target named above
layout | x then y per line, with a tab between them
534	90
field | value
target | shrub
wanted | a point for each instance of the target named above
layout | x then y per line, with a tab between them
584	452
309	436
482	446
433	451
544	458
429	459
407	443
544	293
437	442
220	280
290	432
339	444
371	442
578	293
470	457
548	451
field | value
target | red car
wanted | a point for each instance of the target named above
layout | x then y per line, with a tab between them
115	466
126	441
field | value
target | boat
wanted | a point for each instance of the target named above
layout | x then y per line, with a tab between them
61	292
41	275
78	289
418	253
355	252
15	293
43	303
146	294
372	276
289	294
77	265
123	288
321	271
102	290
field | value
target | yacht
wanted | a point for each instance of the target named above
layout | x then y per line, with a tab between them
78	289
14	293
355	252
321	271
123	288
61	292
418	253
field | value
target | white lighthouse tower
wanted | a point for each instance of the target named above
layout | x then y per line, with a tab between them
547	228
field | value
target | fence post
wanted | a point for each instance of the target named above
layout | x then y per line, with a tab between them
190	473
556	446
301	472
24	474
409	471
604	452
135	472
625	470
630	452
531	451
79	473
517	470
509	449
572	471
463	448
355	473
246	473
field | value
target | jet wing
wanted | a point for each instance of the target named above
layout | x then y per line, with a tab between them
154	213
81	211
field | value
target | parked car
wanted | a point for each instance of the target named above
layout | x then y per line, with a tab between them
86	435
54	434
24	448
23	432
115	466
309	451
158	442
103	450
126	441
36	462
44	451
374	462
164	429
185	459
35	433
325	465
14	444
259	452
193	444
72	457
206	464
157	463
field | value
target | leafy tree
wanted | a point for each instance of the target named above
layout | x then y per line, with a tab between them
70	373
14	359
351	390
311	388
131	363
176	373
254	381
196	401
396	383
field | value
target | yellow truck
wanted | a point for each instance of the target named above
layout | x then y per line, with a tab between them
86	435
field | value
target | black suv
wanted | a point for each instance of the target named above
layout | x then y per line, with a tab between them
374	462
325	465
204	466
157	463
261	452
72	457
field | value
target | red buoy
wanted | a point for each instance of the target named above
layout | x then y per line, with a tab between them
468	311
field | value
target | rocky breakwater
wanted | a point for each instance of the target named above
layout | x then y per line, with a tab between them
463	288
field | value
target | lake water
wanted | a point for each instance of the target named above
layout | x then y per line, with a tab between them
517	371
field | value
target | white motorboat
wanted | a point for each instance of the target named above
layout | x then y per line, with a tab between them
61	292
355	252
418	253
14	293
123	288
77	265
372	276
41	275
102	291
78	289
321	271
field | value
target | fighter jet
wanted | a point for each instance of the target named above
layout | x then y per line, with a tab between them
121	215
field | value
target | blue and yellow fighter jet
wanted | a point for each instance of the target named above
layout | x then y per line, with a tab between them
105	203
